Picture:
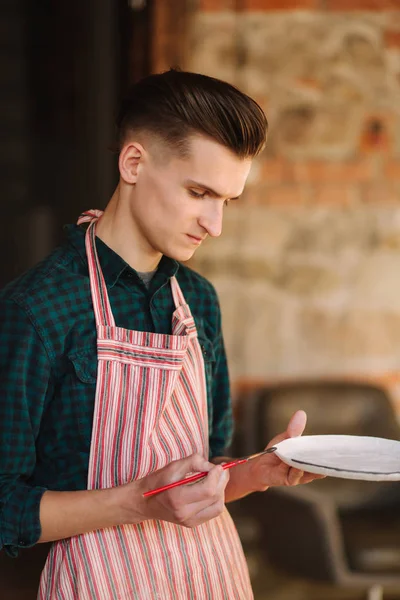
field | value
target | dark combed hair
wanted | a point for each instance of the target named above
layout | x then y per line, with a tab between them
176	104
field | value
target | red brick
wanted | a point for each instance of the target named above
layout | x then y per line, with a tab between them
257	5
381	193
347	5
328	171
263	100
375	137
280	4
274	171
307	83
280	195
216	5
392	170
341	195
392	38
168	42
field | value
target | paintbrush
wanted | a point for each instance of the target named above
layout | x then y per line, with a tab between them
198	476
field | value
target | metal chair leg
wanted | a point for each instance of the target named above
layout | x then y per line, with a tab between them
375	592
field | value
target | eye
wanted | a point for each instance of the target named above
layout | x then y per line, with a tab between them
197	194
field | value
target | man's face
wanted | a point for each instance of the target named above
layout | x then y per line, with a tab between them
178	202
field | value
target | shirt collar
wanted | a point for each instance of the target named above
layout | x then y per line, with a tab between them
114	266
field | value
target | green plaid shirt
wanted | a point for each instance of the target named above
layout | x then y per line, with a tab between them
48	368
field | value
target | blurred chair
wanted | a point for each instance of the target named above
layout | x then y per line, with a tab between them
341	531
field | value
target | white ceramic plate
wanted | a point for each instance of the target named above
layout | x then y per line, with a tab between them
345	456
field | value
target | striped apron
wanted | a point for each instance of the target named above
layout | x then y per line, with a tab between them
150	409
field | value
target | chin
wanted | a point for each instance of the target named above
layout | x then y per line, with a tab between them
180	255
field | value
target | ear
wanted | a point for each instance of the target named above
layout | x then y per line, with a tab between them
130	158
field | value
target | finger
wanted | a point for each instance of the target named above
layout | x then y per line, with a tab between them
202	495
196	463
178	469
294	476
295	428
297	424
216	481
208	488
223	482
309	477
207	513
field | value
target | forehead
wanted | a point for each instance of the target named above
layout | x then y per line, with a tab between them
214	165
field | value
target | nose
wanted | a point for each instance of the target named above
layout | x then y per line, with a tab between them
211	220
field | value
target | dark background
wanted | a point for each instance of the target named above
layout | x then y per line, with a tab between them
64	68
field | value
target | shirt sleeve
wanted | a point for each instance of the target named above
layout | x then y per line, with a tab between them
222	429
25	375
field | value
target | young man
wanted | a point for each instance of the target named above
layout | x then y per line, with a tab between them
113	372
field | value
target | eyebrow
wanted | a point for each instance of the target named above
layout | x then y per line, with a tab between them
191	182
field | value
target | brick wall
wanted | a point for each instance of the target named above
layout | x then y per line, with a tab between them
308	267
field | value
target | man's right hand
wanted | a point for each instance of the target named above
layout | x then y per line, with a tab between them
65	514
187	505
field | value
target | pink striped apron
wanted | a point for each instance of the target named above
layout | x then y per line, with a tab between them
150	409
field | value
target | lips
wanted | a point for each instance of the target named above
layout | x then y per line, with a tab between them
195	239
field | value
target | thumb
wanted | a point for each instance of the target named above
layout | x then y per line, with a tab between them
297	424
191	464
295	428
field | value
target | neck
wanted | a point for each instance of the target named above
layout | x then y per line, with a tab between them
117	229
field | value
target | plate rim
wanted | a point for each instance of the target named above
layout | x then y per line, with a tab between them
337	471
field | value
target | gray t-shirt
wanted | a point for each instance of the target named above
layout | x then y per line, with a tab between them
146	277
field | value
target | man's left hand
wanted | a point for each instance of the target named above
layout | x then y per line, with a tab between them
268	470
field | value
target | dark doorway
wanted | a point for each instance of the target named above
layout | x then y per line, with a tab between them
64	66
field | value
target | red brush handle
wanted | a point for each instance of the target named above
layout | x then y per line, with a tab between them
192	478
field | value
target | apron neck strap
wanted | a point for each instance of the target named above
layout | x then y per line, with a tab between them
101	302
177	294
89	215
98	288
